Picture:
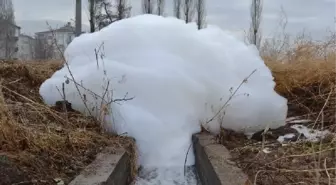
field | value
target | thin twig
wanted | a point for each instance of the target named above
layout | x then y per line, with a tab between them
185	160
232	95
300	155
70	72
324	106
325	167
318	162
112	101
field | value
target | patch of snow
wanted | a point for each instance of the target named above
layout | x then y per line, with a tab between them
178	75
267	150
297	119
291	118
311	135
301	121
283	138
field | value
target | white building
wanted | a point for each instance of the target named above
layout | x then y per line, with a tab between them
51	44
26	47
9	36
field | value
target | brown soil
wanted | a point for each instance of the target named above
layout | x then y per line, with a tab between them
9	171
39	144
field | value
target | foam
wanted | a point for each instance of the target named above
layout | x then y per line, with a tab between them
179	77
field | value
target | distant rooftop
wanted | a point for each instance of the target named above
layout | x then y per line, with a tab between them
28	36
66	28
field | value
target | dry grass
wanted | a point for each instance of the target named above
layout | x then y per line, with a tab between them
307	80
39	143
306	85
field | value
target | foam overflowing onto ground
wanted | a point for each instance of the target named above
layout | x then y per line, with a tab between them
305	134
167	78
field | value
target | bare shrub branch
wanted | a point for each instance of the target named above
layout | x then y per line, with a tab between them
277	46
230	98
107	96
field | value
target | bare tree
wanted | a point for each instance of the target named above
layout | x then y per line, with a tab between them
110	11
177	8
276	47
43	49
160	7
254	32
8	30
189	10
148	6
200	12
92	15
123	9
105	14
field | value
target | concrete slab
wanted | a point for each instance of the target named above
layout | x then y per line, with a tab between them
111	167
213	164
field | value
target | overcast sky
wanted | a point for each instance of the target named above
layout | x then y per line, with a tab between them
315	16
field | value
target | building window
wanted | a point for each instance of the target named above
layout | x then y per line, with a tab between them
17	32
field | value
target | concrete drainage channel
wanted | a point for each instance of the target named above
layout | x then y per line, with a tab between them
213	165
113	167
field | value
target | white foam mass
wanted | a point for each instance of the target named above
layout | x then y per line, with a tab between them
179	77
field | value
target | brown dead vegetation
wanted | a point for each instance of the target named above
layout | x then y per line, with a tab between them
39	144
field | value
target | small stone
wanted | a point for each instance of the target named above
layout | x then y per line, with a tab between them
230	162
295	161
59	129
266	150
59	181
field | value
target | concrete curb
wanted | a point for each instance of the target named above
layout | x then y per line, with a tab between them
212	163
111	167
